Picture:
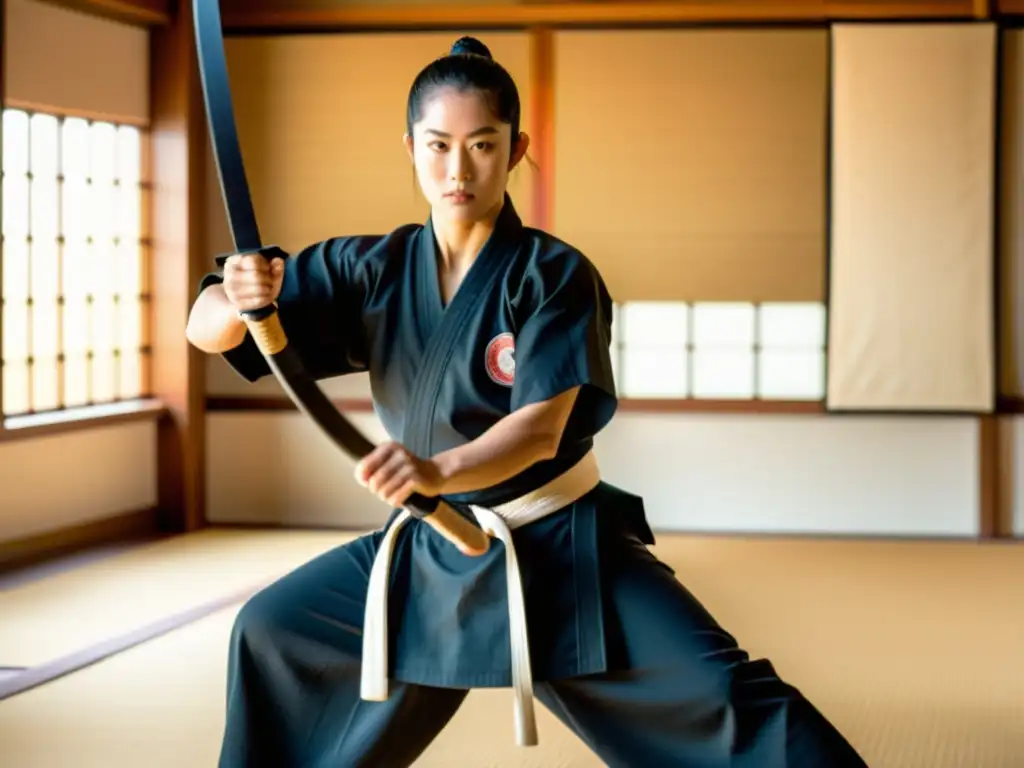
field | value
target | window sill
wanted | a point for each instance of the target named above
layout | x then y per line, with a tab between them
71	419
626	405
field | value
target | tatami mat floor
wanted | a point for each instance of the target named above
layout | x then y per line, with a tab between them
916	650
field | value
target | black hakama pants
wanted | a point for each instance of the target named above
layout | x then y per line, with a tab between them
680	691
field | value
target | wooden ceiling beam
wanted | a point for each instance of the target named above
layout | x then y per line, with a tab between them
293	17
143	13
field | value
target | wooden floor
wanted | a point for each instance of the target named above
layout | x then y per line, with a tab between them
915	649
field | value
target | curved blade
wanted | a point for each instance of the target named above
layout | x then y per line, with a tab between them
220	112
285	364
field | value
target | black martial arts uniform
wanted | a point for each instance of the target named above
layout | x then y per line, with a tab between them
620	651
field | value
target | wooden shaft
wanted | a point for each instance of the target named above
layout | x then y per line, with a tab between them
467	538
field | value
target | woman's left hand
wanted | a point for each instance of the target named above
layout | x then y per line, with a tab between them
393	474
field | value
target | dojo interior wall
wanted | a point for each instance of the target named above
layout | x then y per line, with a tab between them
772	472
321	121
60	60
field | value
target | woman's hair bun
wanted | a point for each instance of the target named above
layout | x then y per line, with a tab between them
470	45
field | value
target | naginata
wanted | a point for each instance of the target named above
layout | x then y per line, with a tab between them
264	324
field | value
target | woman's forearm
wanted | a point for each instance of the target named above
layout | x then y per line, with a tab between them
213	324
514	444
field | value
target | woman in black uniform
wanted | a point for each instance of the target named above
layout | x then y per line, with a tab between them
487	346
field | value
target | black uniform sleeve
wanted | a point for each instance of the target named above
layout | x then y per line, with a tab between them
563	341
320	307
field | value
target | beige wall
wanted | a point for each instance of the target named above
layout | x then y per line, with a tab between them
703	472
759	209
690	164
727	472
58	481
67	61
320	124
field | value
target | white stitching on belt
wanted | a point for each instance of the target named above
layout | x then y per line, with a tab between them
497	522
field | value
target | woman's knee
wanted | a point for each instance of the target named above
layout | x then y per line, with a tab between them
262	618
658	623
315	611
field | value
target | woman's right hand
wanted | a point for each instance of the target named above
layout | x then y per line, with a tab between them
251	282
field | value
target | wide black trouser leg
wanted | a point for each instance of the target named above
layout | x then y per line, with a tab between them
682	692
293	678
686	696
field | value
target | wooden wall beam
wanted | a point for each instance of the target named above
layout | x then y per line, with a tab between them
3	102
177	260
1009	7
138	526
290	16
988	474
995	478
542	125
145	13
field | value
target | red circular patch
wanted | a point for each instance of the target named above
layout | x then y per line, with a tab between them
500	359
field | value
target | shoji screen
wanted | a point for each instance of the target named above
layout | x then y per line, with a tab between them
911	279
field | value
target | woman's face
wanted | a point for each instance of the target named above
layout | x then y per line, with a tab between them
462	156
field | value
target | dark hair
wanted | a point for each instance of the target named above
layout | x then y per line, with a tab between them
468	66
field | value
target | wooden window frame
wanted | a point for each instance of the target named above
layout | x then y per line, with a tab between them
174	169
151	14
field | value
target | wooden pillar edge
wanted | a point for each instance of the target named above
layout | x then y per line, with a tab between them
177	214
542	125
